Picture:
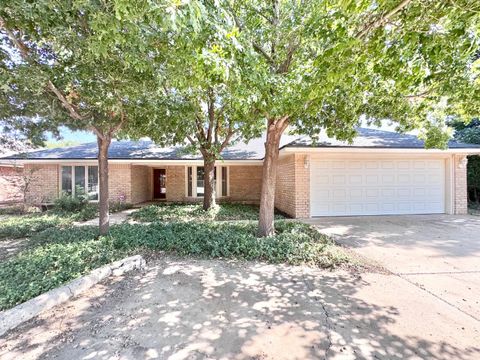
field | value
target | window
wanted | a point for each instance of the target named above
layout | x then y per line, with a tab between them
190	180
78	180
224	181
93	182
67	180
200	181
196	181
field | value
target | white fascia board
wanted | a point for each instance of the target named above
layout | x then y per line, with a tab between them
305	150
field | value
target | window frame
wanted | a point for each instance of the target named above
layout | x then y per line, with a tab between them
218	183
86	173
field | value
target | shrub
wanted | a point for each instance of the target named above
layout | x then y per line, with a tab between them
12	210
117	206
68	203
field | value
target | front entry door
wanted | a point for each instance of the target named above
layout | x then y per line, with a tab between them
159	189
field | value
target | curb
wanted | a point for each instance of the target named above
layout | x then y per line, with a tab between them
11	318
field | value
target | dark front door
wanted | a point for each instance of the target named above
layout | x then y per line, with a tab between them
159	189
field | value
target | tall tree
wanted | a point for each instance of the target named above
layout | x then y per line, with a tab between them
317	65
79	64
202	80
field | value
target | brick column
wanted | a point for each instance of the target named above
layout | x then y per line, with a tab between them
461	195
302	186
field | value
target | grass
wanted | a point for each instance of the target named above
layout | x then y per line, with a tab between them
194	212
62	254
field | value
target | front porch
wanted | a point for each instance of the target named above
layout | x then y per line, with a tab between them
140	184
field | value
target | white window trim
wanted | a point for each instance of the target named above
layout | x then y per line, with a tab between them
72	167
218	184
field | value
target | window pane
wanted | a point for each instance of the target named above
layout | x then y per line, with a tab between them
189	177
79	180
93	182
200	181
224	181
67	180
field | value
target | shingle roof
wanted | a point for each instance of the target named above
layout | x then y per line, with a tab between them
253	150
372	138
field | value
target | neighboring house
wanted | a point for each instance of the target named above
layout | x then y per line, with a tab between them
379	173
11	184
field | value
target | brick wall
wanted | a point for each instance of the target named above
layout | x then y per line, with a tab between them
43	183
245	183
119	182
292	192
175	183
141	183
460	204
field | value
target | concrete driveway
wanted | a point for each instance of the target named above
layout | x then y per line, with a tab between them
438	253
190	309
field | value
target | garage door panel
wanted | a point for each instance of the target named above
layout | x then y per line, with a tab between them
375	187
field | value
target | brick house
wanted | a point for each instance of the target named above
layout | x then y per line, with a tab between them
379	173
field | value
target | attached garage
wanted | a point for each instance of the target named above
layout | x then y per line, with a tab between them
372	186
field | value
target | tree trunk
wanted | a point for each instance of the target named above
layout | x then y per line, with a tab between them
275	129
209	183
104	216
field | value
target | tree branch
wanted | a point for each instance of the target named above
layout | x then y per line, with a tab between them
65	103
227	139
26	55
192	141
262	52
211	114
382	19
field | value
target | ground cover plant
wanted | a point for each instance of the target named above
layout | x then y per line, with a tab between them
62	254
189	212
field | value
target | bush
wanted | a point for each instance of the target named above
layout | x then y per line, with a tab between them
117	206
62	254
68	203
12	210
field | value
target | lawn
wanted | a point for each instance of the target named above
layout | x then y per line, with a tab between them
59	252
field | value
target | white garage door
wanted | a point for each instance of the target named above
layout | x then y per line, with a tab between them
376	187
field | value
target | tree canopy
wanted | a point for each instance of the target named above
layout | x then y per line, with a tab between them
319	65
77	64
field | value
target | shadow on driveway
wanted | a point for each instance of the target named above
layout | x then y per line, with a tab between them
228	310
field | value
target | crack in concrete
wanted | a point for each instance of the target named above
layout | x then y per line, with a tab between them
438	297
440	273
328	324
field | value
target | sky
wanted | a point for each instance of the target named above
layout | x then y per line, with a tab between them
78	136
85	136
